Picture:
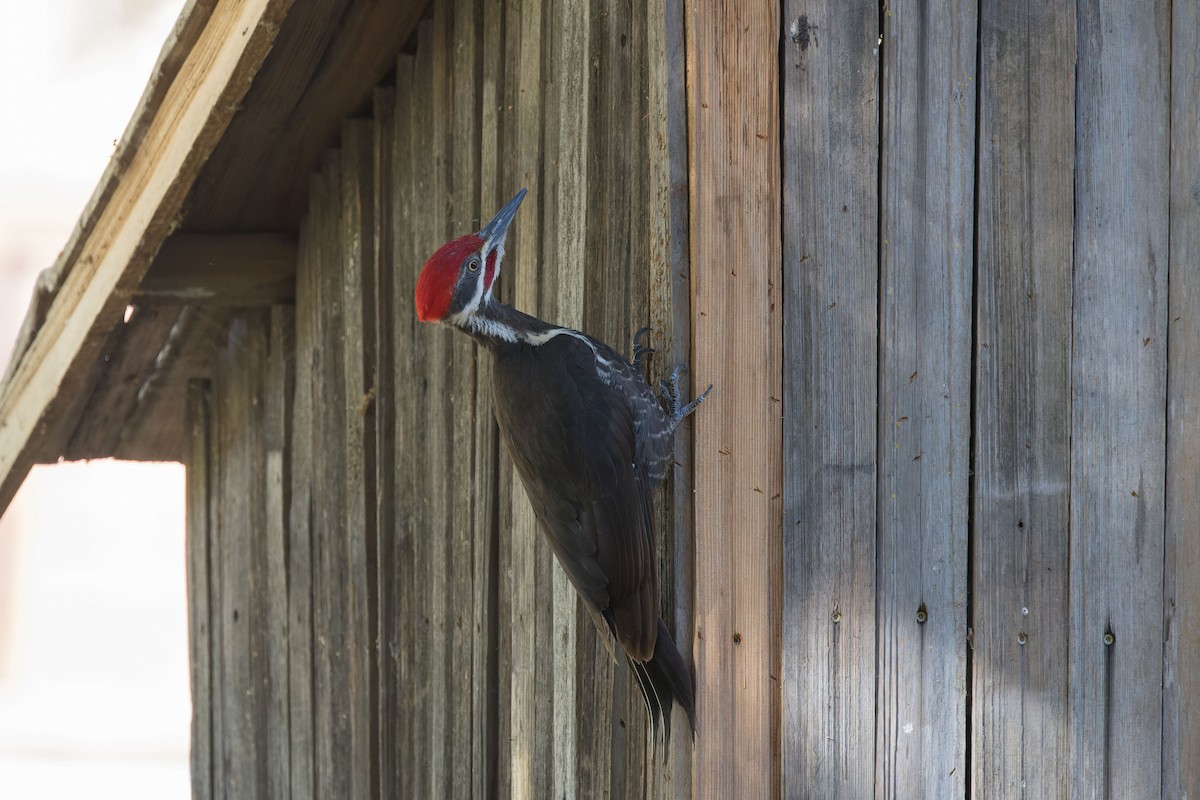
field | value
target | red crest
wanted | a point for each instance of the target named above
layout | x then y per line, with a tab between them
435	286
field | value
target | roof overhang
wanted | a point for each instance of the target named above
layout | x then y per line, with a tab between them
195	216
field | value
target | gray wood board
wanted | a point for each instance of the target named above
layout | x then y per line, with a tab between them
358	408
926	226
197	451
830	284
301	584
1119	328
1181	677
1023	400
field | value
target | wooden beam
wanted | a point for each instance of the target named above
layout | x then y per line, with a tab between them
733	114
228	270
132	224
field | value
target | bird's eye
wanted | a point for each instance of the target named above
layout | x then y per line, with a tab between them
473	265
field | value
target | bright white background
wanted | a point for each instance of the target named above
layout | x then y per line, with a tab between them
93	628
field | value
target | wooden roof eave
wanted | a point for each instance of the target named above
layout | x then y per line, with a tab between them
204	71
195	216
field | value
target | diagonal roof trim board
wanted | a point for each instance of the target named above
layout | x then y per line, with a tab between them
131	221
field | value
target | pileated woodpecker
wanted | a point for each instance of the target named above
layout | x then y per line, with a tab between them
591	442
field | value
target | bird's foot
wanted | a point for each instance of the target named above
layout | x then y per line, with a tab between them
671	391
640	351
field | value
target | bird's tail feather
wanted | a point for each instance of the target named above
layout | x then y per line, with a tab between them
664	681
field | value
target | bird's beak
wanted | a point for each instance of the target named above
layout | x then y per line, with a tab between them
493	233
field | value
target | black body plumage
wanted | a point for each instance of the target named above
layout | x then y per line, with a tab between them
591	441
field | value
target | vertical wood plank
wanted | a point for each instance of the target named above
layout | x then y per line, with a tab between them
403	626
487	687
331	635
277	421
670	324
463	203
625	54
830	284
358	403
531	723
439	412
926	225
386	228
1181	678
732	69
1122	187
200	497
496	562
428	759
240	401
237	742
1022	412
217	626
301	677
566	96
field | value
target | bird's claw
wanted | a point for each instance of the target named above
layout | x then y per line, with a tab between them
640	351
678	409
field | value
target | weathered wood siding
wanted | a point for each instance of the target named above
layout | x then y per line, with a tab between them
734	183
1023	399
830	396
237	517
951	320
423	643
1181	630
991	440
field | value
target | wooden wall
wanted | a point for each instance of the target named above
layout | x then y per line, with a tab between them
953	241
991	520
403	614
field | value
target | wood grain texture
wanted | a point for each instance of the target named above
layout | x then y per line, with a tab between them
245	648
670	309
480	636
490	687
197	544
531	696
462	216
388	520
135	386
433	80
1023	400
926	223
357	255
733	114
494	183
244	475
406	756
301	523
330	596
233	270
278	376
830	285
1181	669
330	54
1119	364
567	97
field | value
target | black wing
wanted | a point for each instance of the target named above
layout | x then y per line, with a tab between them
570	432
